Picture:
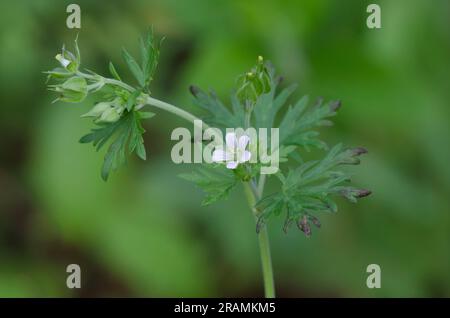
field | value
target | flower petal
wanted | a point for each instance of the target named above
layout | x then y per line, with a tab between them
246	155
232	164
243	142
231	140
64	62
218	155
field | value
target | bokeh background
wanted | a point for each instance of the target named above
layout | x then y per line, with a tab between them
143	233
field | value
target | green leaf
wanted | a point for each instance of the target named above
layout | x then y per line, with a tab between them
149	50
134	67
131	101
136	140
215	180
214	112
310	188
126	135
150	56
268	105
113	71
140	151
298	122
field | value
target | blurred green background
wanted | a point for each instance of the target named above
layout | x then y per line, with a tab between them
143	233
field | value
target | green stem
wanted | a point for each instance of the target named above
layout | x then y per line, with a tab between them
254	191
264	246
177	111
150	100
106	80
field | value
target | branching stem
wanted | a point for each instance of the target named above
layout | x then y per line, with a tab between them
150	100
177	111
253	189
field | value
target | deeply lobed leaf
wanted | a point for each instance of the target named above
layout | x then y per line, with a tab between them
310	188
126	136
215	180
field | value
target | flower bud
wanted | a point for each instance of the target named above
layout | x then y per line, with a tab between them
76	83
254	83
74	90
110	115
67	60
107	112
64	62
97	110
142	99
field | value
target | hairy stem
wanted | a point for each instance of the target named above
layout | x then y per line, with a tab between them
253	190
264	245
177	111
150	100
261	183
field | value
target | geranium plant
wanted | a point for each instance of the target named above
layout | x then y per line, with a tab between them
306	188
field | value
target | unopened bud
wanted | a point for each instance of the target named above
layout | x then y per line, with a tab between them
110	115
97	110
254	83
74	90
